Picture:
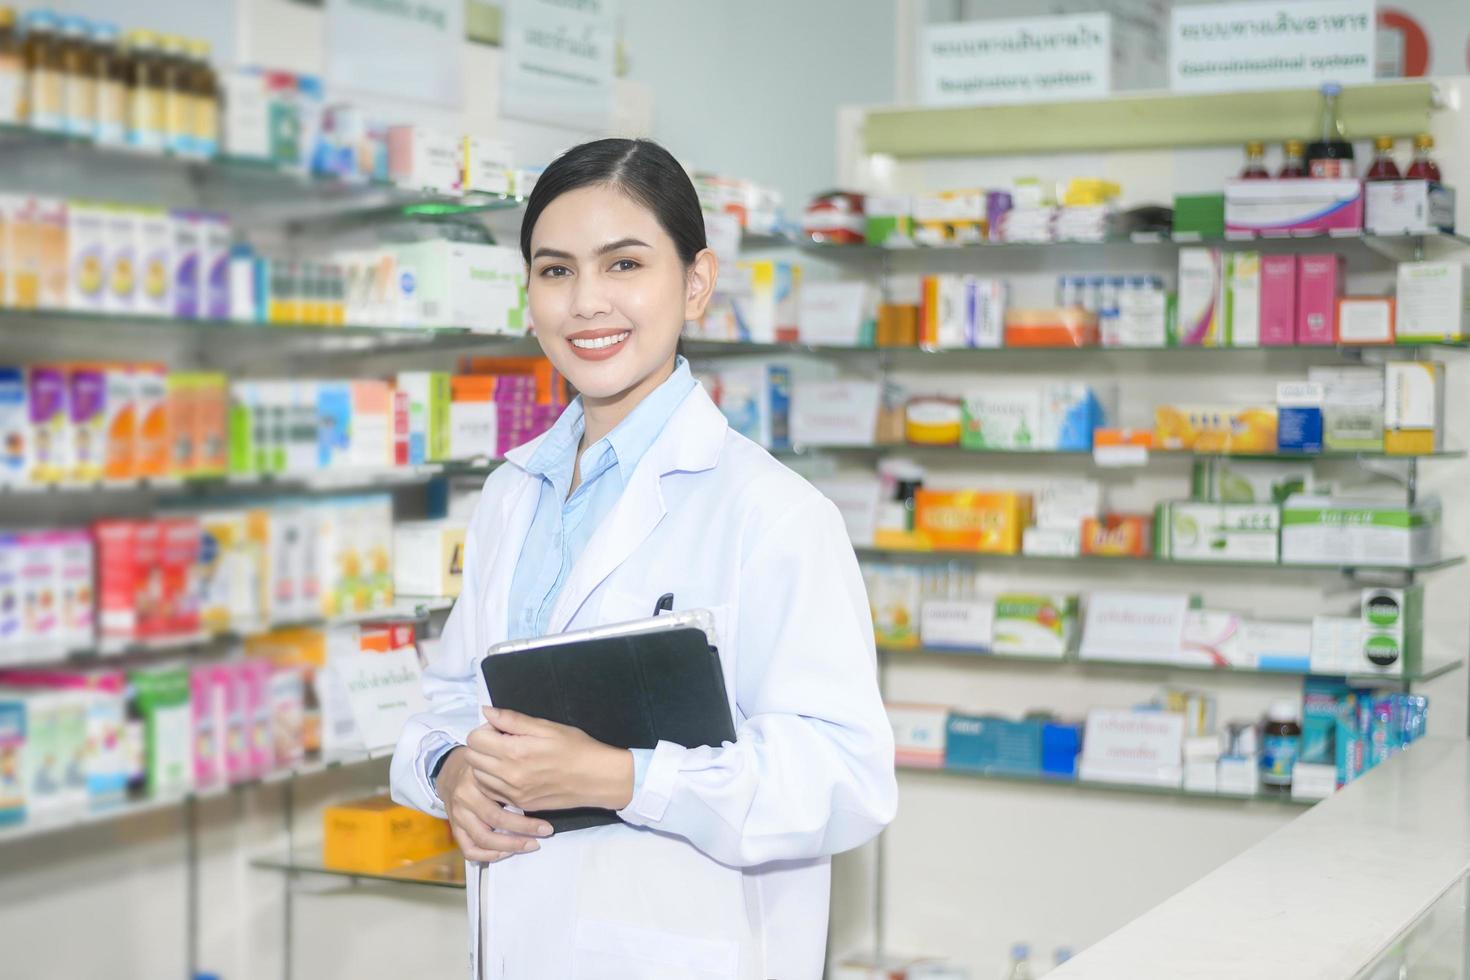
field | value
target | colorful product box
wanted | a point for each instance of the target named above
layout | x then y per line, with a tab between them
13	761
1352	407
487	165
120	426
1188	531
1321	279
155	265
50	437
1299	416
121	255
87	404
375	835
421	158
992	745
186	256
1413	407
1034	625
11	599
1118	535
968	520
1216	428
207	715
428	558
1433	302
372	425
117	578
1318	529
1282	207
429	395
1393	630
1201	297
889	220
893	594
472	416
1243	299
765	301
1278	300
40	589
212	289
73	558
288	716
152	454
15	427
161	703
86	257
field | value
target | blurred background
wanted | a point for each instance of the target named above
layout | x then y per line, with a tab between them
263	336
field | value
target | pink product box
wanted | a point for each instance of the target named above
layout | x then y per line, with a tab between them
207	715
1321	279
255	676
234	734
1285	207
1278	300
519	424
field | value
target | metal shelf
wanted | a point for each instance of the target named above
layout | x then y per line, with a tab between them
1166	792
901	554
703	347
1428	672
962	452
441	871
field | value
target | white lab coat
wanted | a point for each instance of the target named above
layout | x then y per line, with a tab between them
721	870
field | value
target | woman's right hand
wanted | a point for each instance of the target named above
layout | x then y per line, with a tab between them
483	829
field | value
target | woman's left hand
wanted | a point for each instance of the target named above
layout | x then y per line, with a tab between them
535	764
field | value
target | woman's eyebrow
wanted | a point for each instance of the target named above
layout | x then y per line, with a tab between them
621	243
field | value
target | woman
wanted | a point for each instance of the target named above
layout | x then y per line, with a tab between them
720	868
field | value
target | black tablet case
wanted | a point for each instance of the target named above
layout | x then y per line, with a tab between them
627	691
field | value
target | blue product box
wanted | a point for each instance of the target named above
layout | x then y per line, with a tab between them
1299	430
993	745
1060	745
1323	699
334	411
780	382
12	761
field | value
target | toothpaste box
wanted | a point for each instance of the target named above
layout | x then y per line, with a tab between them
1433	302
1201	297
1243	300
1321	280
1278	300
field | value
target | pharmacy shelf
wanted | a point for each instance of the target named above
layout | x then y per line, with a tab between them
441	871
962	452
138	806
1397	248
950	357
1064	782
1428	672
913	555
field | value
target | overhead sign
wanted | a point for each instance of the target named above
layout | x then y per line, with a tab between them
408	49
1242	46
559	61
1030	59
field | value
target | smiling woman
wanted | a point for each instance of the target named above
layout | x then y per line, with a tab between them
720	865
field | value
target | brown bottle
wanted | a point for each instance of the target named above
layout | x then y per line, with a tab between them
12	71
42	49
111	71
178	100
145	92
1281	741
206	101
78	77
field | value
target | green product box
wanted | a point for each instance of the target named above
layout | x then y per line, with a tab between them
1233	481
1200	214
1034	625
1393	628
242	428
1190	531
889	220
161	701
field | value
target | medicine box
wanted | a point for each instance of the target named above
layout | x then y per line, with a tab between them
487	165
1413	407
890	220
1365	320
1243	299
1299	416
993	745
1278	300
1190	531
1321	529
893	594
375	835
1118	535
1201	297
1285	206
1409	207
421	158
1321	280
86	256
1034	625
1352	407
1392	630
969	520
957	624
1433	302
428	558
1236	481
918	734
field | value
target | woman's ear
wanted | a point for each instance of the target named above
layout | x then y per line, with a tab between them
703	272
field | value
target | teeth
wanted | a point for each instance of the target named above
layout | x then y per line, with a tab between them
601	342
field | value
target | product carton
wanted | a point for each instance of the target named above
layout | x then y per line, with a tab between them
893	594
1352	407
15	427
1299	416
1243	295
992	744
421	158
1365	320
50	434
1216	428
1118	535
87	405
1280	207
1321	280
890	220
86	235
1409	207
1278	300
185	256
1033	625
1320	529
1201	297
375	835
487	166
1217	532
1413	407
154	231
428	558
971	520
1433	302
918	734
1235	481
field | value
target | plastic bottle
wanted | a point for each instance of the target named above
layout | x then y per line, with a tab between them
1422	167
1255	162
145	92
206	100
178	96
78	77
1280	744
1330	154
1294	165
42	47
12	70
1020	963
111	64
1382	167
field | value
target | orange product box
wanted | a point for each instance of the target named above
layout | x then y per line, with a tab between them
211	439
151	448
472	388
302	649
1216	428
971	520
1123	437
180	402
550	388
374	835
386	638
120	430
1062	326
1366	320
1118	535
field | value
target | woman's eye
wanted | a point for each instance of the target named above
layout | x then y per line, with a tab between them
624	265
555	272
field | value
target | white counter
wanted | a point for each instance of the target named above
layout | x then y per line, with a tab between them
1321	897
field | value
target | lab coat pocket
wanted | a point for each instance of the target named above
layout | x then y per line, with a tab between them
608	950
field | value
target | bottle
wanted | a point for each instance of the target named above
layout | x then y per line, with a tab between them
1293	165
1255	162
145	92
178	99
1382	167
1330	154
1280	743
12	70
1020	963
206	101
111	66
78	77
1422	167
42	49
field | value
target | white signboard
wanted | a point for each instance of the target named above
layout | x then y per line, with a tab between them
408	49
558	62
1142	626
1241	46
1133	747
385	689
1029	59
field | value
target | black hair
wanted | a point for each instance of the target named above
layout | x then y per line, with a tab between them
643	170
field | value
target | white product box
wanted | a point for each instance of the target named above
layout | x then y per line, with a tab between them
1065	504
155	293
1202	748
1034	625
1337	645
487	165
1365	320
428	558
834	413
1213	638
1202	777
957	624
1201	297
1433	301
1004	418
86	259
1052	542
1142	626
1265	206
1135	747
1319	529
835	313
918	734
421	158
989	321
1236	481
1276	646
1142	320
1243	300
1352	407
1218	532
856	498
462	284
247	118
1239	774
1413	406
1313	781
1408	207
473	429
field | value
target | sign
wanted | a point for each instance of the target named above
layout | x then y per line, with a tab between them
558	62
408	49
1030	59
1140	747
1241	46
385	689
1140	626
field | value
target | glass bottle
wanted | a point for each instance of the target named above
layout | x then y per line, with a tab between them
1255	162
111	66
12	70
1293	165
178	100
1330	154
42	49
78	77
1382	166
1422	167
145	92
206	101
1020	963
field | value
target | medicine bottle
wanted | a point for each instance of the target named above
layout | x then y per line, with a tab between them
110	62
145	92
1255	162
178	96
1422	167
1382	166
1293	164
1280	744
78	77
42	50
205	86
12	71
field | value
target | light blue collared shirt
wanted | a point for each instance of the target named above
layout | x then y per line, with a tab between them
566	519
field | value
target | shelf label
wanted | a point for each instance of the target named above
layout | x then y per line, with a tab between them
1026	59
1234	47
1120	457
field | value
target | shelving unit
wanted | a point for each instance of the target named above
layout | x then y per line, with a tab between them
442	871
1158	792
1144	562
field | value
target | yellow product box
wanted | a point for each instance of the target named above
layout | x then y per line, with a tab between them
971	520
1216	428
1413	407
374	835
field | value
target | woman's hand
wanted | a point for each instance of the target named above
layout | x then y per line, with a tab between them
539	765
483	829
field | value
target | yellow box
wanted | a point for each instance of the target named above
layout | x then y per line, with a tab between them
1216	428
376	835
971	520
1413	416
